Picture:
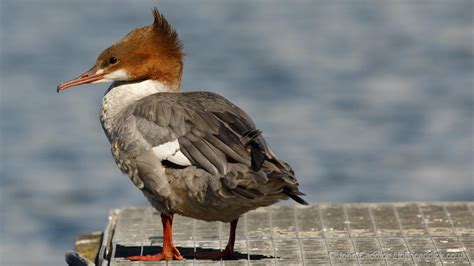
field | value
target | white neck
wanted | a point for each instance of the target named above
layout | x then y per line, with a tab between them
137	89
122	94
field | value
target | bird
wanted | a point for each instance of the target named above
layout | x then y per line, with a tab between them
195	153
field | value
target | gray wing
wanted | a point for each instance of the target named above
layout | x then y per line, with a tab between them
211	131
242	125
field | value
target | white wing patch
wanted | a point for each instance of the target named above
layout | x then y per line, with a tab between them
179	159
170	151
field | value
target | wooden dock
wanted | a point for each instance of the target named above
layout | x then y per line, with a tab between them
388	233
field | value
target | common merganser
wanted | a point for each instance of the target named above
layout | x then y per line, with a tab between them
194	154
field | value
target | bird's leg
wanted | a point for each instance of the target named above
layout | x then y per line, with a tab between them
229	249
227	252
170	252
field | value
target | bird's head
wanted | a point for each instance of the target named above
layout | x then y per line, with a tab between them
153	52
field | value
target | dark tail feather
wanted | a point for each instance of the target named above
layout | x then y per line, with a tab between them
296	198
257	151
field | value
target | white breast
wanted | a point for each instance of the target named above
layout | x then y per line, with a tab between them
122	94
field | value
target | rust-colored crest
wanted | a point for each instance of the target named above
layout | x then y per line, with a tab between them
167	33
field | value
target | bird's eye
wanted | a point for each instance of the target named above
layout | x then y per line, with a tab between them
113	60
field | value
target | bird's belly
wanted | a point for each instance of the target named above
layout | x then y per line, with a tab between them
199	195
189	191
222	210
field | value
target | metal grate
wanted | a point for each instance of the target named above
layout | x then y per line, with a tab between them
307	235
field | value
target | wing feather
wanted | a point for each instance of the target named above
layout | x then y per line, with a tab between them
163	114
198	156
211	131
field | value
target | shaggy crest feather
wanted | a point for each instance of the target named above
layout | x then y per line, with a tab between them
167	33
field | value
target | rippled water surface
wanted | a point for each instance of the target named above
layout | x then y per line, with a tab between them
368	100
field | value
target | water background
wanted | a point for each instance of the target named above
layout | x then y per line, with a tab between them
368	100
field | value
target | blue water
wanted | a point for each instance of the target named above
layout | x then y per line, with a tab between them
368	101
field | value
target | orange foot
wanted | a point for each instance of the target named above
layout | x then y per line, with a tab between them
169	254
